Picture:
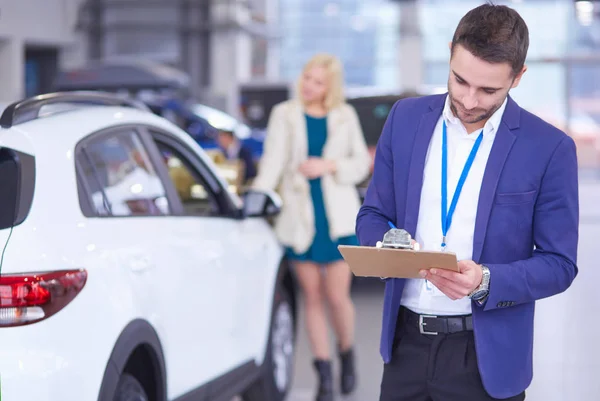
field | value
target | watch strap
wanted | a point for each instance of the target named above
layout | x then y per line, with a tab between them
484	287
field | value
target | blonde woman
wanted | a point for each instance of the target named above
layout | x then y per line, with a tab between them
315	155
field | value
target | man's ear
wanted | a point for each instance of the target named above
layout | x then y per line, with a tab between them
450	45
518	77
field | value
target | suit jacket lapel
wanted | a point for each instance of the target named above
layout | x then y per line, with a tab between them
500	149
417	163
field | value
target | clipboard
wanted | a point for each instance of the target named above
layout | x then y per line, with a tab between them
394	263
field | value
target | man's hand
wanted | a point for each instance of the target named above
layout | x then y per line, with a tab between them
456	285
315	167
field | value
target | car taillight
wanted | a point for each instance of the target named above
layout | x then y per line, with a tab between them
30	297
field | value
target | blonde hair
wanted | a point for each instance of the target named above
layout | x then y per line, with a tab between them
335	73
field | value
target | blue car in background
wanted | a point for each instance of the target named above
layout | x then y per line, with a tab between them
252	138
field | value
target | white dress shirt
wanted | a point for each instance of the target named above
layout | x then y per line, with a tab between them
233	150
420	295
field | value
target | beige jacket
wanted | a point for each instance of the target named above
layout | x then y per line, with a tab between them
286	147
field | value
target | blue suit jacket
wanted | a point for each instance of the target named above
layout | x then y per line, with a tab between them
526	229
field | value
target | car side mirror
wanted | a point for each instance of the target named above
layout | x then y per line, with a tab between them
261	203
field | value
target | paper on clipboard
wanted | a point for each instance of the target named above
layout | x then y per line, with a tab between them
394	263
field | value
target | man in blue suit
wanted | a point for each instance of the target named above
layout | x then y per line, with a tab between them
471	172
234	149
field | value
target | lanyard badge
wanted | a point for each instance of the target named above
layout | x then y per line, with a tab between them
448	213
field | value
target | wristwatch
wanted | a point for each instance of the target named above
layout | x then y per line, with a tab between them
480	293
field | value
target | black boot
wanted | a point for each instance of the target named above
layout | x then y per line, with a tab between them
325	389
348	379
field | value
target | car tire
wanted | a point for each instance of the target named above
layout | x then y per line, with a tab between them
278	366
130	389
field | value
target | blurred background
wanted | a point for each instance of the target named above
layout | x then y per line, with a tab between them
241	57
222	64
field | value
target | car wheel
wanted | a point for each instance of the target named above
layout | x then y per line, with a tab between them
278	366
130	389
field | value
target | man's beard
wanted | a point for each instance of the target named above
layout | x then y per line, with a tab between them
475	116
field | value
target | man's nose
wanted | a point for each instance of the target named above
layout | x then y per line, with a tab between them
470	101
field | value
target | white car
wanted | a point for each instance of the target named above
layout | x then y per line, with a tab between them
128	271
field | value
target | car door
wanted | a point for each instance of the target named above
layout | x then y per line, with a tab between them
124	200
203	238
139	213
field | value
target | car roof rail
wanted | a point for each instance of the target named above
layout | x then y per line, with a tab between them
29	109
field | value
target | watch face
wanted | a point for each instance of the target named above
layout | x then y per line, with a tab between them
478	295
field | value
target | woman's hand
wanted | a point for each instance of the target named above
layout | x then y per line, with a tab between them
315	167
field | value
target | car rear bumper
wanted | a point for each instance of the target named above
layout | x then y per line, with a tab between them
36	375
52	360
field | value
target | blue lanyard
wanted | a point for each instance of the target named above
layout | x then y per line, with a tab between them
447	214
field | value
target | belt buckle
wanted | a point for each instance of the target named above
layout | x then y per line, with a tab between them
422	324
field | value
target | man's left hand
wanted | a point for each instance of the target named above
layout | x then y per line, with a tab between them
456	285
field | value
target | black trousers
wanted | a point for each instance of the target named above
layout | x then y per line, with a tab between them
439	367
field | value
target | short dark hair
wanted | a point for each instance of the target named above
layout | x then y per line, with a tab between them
494	33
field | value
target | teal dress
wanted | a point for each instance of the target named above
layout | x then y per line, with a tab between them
323	249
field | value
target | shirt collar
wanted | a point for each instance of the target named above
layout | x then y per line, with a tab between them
491	126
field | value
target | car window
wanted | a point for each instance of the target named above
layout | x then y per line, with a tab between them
195	195
120	177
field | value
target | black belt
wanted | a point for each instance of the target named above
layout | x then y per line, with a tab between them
433	325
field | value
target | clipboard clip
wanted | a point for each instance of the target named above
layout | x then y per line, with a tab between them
396	238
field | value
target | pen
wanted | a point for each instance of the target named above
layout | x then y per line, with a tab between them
379	243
